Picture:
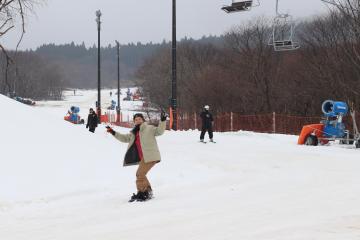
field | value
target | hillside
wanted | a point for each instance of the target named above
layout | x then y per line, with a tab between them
58	181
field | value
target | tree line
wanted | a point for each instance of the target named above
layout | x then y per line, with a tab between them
74	66
245	75
79	63
30	76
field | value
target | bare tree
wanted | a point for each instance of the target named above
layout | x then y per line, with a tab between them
256	60
332	54
11	12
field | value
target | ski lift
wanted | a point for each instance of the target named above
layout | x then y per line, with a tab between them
240	6
283	32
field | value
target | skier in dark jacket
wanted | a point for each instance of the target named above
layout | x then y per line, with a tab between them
207	121
92	121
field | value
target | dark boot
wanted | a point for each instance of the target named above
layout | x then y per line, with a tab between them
134	197
143	196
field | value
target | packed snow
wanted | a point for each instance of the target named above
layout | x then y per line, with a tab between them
59	181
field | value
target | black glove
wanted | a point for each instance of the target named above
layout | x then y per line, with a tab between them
163	116
110	130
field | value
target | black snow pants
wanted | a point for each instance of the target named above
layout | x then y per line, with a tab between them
204	130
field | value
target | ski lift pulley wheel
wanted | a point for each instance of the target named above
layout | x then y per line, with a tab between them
240	6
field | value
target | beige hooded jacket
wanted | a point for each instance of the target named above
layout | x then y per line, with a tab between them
148	142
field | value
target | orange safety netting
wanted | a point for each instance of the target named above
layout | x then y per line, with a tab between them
265	123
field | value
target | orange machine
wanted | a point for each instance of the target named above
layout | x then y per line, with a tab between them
307	130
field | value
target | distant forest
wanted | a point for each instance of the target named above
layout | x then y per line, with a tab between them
45	72
78	64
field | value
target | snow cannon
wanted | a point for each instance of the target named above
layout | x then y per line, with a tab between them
331	128
73	115
128	95
112	106
334	109
334	113
74	110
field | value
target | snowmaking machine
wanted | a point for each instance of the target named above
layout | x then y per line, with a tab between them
331	128
112	106
73	116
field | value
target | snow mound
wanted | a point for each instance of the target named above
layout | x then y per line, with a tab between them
42	155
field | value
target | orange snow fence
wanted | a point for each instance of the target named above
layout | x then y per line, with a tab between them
265	123
104	118
229	122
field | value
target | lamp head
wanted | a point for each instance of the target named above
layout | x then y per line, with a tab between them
98	13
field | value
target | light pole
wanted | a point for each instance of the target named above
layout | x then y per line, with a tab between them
98	107
118	108
173	80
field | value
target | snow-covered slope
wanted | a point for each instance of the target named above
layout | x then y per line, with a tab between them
85	99
58	181
44	155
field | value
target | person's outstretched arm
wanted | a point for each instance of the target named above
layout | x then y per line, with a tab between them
159	130
121	137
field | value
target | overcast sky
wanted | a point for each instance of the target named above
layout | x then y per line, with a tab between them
60	21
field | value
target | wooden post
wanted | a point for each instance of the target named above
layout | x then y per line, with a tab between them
195	120
274	122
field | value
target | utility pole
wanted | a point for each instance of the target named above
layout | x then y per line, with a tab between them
98	106
174	77
118	108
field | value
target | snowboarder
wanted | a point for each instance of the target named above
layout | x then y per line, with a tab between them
142	151
92	121
207	121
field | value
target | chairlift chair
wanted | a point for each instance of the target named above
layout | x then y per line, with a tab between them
240	6
285	45
283	32
282	35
